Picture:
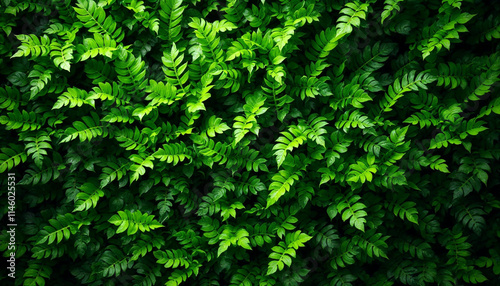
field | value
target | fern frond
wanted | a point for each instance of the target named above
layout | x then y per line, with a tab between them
134	221
463	184
409	82
112	262
310	87
173	153
296	136
344	255
404	209
353	13
244	276
458	247
443	140
21	120
74	97
174	70
9	98
207	36
337	144
390	6
363	170
31	44
41	77
173	258
373	243
90	127
99	45
315	126
35	175
282	182
323	44
139	168
61	228
37	147
160	93
224	25
229	79
214	152
445	30
12	156
88	197
94	17
304	13
273	88
247	158
171	15
351	94
62	54
123	114
110	91
350	208
472	217
164	205
252	109
141	111
451	75
36	274
367	82
210	205
231	236
483	83
113	170
372	58
215	125
353	119
130	70
234	10
99	72
437	163
200	93
423	118
282	253
487	30
179	276
417	248
45	251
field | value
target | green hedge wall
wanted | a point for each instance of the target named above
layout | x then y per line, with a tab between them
238	142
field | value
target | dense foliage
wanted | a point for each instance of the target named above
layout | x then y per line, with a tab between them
337	142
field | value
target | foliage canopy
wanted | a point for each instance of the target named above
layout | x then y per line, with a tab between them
239	142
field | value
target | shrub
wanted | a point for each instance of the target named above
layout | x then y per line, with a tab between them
252	142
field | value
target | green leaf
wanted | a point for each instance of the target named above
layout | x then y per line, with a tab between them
88	197
132	222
